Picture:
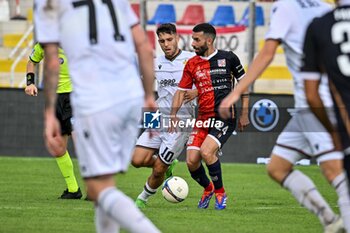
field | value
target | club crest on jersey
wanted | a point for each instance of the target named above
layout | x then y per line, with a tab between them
221	62
160	66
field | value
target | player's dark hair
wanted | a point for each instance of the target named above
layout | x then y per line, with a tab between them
167	28
206	28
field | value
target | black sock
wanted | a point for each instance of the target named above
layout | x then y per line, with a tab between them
215	174
200	176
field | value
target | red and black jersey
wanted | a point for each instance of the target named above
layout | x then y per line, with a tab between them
213	77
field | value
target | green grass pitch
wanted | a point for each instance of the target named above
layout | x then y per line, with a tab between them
29	188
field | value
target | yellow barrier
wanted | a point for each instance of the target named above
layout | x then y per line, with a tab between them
11	40
279	49
5	65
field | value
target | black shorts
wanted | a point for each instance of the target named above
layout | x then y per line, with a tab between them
64	113
221	135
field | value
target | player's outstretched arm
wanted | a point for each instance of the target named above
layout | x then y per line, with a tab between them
52	132
51	72
244	119
31	89
145	55
259	64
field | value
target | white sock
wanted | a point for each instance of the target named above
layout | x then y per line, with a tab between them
340	183
304	190
122	210
104	224
147	192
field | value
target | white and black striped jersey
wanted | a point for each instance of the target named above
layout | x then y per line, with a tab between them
327	49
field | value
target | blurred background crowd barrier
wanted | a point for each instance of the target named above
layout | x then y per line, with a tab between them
237	30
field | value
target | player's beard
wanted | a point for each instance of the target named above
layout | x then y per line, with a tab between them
173	54
201	50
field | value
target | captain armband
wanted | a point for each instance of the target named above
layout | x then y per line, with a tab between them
30	78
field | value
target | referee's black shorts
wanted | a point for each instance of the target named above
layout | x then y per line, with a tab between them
64	113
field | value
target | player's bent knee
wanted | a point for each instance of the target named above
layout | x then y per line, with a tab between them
136	163
193	159
141	161
208	156
278	168
97	185
142	158
271	171
192	165
331	169
276	173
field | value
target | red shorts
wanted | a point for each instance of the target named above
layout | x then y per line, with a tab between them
219	134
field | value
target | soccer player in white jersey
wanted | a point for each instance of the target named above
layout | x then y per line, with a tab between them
100	38
168	146
303	135
325	51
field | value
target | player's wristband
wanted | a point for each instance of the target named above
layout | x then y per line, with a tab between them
30	78
245	95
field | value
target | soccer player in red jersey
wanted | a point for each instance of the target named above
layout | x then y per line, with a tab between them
213	72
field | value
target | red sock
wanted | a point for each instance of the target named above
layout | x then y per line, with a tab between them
220	190
210	187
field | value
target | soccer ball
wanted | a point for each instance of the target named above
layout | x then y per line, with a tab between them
175	189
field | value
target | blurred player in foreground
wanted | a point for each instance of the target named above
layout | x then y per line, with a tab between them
99	38
303	135
325	51
168	69
63	113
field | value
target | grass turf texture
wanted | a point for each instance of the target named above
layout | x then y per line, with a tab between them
29	188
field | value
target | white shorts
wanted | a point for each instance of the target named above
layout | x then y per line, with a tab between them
170	145
104	141
304	136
